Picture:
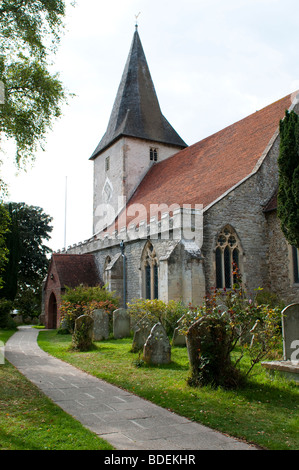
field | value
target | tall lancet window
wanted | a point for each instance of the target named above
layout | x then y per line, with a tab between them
150	272
227	257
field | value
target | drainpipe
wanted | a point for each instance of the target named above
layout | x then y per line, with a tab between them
122	248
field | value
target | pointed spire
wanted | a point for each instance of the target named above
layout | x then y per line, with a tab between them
136	111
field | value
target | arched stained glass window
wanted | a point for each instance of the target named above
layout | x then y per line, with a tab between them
219	283
150	269
227	267
227	258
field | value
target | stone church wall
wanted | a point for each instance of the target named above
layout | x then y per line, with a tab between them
280	262
242	208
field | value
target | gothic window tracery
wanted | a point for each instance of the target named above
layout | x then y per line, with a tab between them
295	256
106	275
227	258
150	271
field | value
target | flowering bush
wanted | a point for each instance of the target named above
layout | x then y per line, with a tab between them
154	311
83	301
253	327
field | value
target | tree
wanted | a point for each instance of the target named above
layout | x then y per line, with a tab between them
4	228
9	289
27	261
288	164
29	33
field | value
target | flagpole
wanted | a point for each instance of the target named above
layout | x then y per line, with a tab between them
65	211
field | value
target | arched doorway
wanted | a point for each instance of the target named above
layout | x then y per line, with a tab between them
52	311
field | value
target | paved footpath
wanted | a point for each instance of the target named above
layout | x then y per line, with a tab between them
121	418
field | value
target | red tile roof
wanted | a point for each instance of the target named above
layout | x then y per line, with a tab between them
74	270
203	172
272	203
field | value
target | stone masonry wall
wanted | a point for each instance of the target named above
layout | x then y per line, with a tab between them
242	208
280	262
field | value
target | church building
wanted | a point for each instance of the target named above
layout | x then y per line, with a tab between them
170	220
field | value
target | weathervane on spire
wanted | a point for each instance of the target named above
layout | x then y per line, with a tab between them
136	16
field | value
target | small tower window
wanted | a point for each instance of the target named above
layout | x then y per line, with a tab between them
107	164
153	154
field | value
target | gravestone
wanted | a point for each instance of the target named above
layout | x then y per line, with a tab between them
157	349
83	333
179	339
63	326
208	346
290	332
140	336
101	325
121	323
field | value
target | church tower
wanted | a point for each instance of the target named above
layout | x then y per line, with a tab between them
137	136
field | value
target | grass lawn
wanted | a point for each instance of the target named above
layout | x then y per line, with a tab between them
30	421
266	412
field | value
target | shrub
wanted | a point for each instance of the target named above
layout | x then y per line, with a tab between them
244	323
5	309
83	301
154	311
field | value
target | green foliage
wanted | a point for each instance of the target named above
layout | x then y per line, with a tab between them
82	336
154	311
4	228
5	309
84	300
32	101
288	164
12	241
233	321
209	346
269	298
30	31
28	301
27	261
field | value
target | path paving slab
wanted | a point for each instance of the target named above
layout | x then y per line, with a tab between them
121	418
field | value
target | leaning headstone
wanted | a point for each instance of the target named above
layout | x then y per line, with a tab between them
18	319
63	326
83	333
179	339
121	323
100	325
140	337
208	346
290	330
157	349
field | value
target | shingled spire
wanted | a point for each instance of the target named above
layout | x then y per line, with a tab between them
136	111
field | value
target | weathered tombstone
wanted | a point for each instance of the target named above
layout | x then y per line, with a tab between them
290	331
18	319
208	348
121	323
140	336
100	325
157	349
83	333
179	339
